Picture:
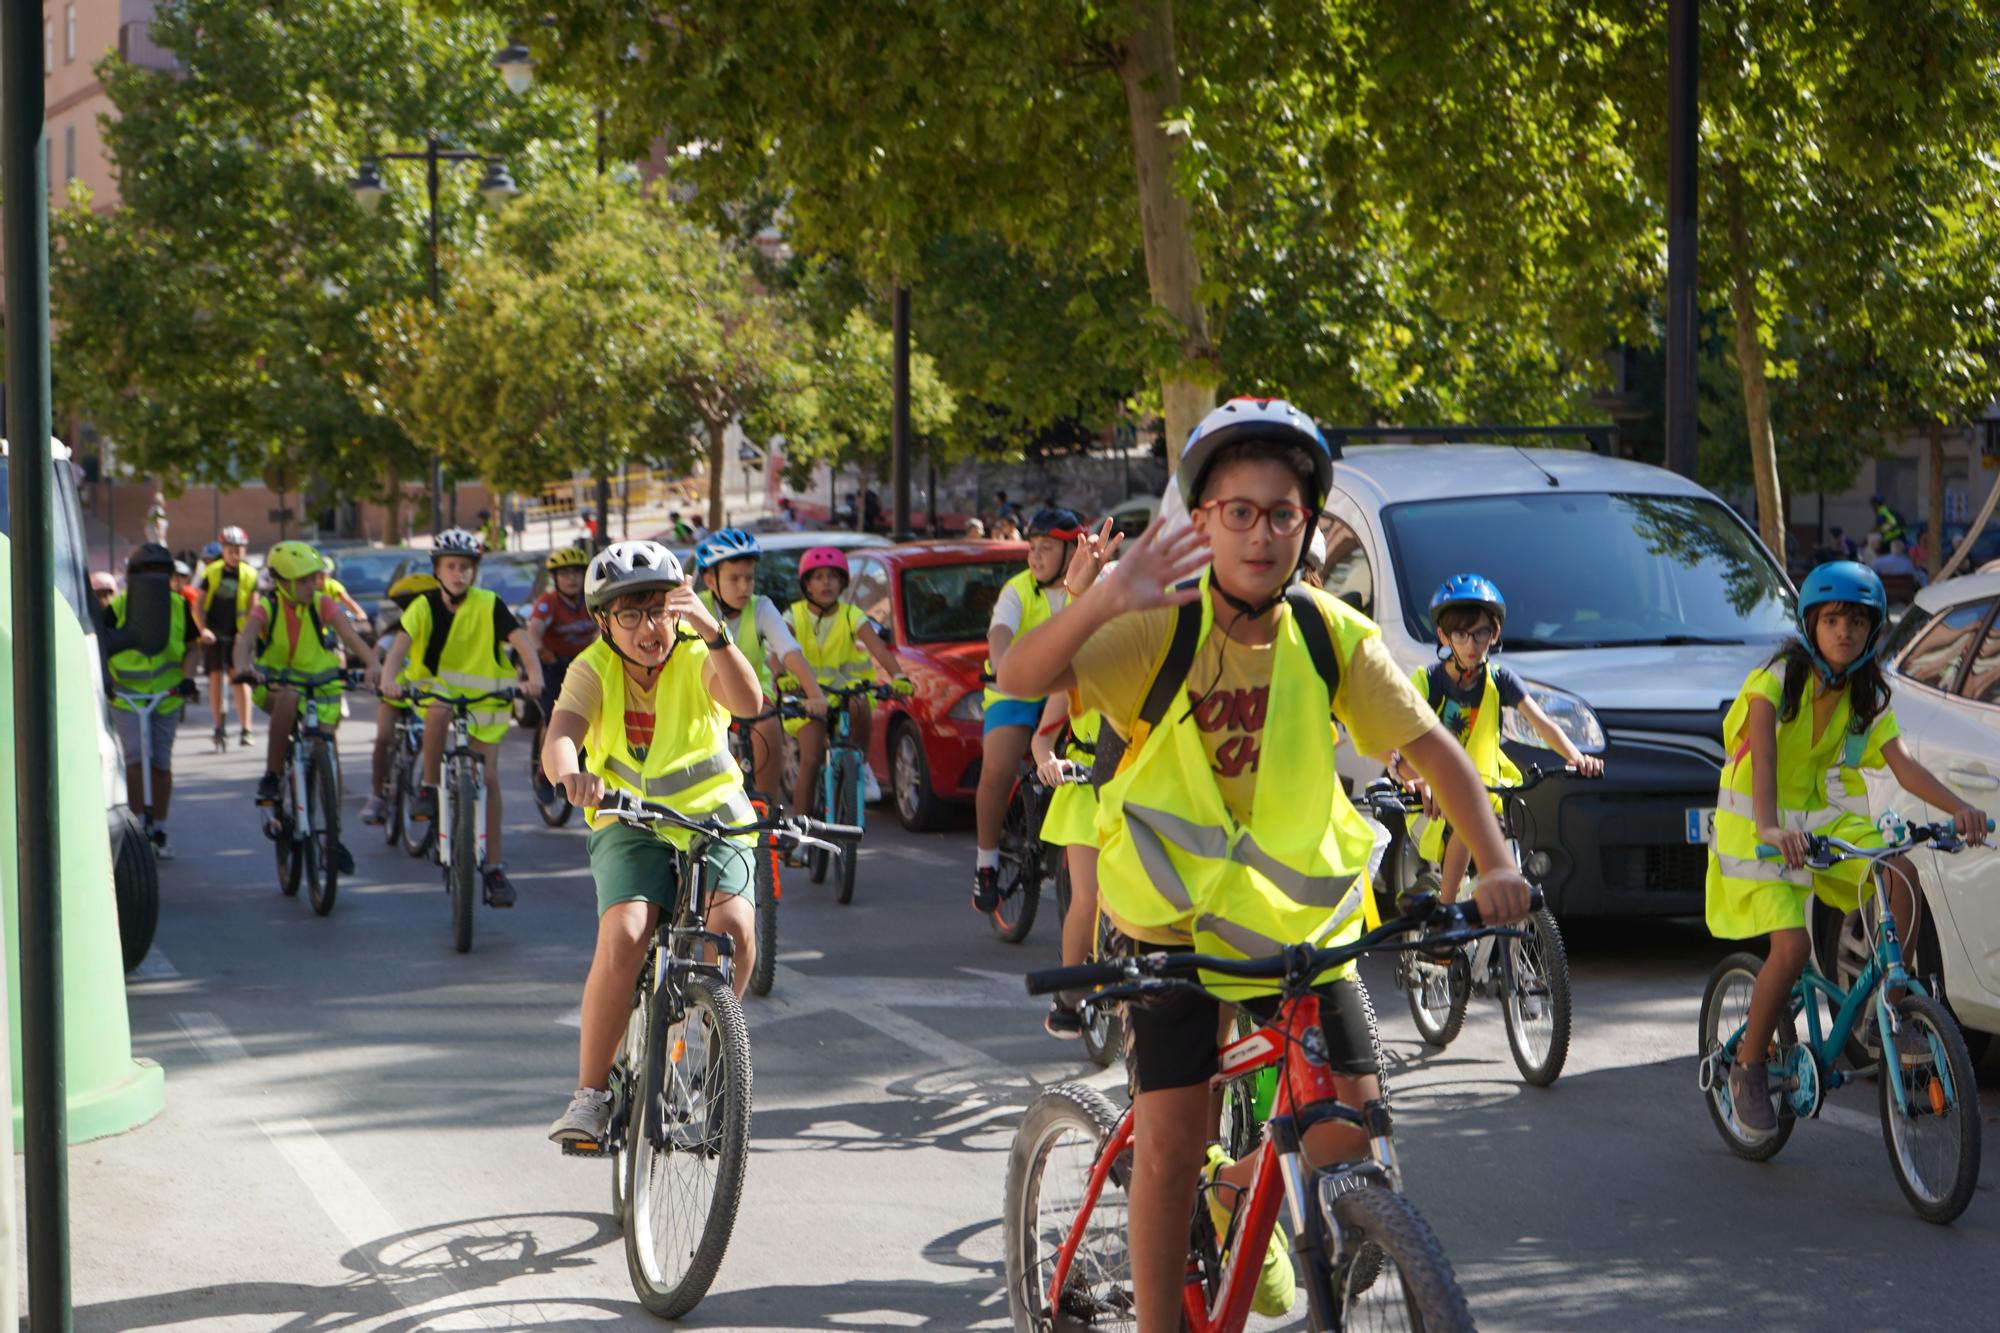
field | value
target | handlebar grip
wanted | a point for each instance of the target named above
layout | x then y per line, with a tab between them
1469	908
1766	852
1081	977
813	828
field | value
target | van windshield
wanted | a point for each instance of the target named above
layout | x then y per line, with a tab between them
1593	570
72	573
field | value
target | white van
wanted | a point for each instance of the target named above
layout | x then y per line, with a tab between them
1637	602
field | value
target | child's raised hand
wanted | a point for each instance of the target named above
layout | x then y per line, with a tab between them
1971	823
687	606
1145	578
1094	550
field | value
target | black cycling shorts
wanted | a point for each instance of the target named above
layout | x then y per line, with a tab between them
216	657
1173	1038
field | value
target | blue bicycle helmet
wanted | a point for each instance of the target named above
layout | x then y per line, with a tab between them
212	551
1469	590
1241	420
1843	581
725	545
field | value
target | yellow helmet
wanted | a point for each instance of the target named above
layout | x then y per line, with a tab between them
567	557
410	587
294	560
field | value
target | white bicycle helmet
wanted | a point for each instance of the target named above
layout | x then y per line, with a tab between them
457	541
624	567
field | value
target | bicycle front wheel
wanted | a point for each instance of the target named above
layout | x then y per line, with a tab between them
1933	1136
1391	1272
1725	1005
847	810
418	834
1048	1185
463	875
323	850
1438	992
290	852
690	1143
764	971
392	803
551	801
1536	1002
1020	868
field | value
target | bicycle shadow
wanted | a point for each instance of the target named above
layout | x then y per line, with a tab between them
395	1275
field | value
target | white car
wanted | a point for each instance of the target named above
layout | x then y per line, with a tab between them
1637	602
1943	660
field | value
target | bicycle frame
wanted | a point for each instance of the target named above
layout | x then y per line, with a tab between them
839	744
144	706
1307	1096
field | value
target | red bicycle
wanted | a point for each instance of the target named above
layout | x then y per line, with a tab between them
1366	1257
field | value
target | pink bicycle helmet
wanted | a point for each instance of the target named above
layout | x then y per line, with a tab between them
824	557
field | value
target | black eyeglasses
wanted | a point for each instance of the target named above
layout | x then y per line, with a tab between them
634	616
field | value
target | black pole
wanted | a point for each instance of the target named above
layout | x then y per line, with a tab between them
431	149
899	414
603	477
1683	332
38	875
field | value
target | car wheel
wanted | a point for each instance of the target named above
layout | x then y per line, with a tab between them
917	804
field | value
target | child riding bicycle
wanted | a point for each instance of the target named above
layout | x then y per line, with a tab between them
725	563
1469	693
560	626
837	642
170	670
454	639
650	704
401	593
1195	848
1802	729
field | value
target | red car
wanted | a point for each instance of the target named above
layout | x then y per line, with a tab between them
932	601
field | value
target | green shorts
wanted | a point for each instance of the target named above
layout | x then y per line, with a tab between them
634	865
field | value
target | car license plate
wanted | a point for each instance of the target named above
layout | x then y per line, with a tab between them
1701	826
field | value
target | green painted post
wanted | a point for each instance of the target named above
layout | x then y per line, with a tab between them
24	230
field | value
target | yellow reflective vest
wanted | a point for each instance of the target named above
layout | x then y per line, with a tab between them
744	632
1071	819
469	662
1035	609
831	643
1174	857
211	585
687	764
138	673
1480	735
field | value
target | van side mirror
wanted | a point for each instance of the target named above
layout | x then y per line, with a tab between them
148	617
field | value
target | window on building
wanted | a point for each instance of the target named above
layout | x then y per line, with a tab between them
69	153
69	33
49	164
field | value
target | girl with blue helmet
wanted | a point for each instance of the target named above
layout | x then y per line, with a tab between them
1469	695
1798	736
725	566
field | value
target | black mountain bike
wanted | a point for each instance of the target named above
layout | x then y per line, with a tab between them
304	826
679	1132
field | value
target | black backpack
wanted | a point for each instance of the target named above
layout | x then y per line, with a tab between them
1172	675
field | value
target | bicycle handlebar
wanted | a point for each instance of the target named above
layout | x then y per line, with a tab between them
1535	777
1824	852
461	702
1452	923
789	829
350	678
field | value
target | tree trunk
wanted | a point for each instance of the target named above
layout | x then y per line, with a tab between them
1150	71
1934	545
393	529
717	460
1750	366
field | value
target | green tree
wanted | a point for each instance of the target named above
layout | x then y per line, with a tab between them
212	322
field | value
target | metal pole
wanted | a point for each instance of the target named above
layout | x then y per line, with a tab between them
899	415
431	147
1683	330
38	875
603	477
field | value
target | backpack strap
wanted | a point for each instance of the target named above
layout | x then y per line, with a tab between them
1312	628
1434	685
1167	681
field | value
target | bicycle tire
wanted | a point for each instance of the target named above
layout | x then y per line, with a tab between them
625	1099
463	876
1104	1027
1098	1294
135	880
1438	1026
1720	1017
551	801
724	1141
392	803
1538	1051
818	858
323	796
764	971
418	834
291	857
1389	1257
847	802
1945	1198
1020	869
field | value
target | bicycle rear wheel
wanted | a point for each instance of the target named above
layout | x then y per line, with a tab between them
1437	992
1724	1007
392	802
1536	1000
418	834
463	876
764	971
290	854
551	801
323	848
1933	1139
690	1143
1048	1177
1391	1272
1020	868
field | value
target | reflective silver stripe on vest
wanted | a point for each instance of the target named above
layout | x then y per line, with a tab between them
1211	843
1245	941
679	780
1745	807
1159	867
468	680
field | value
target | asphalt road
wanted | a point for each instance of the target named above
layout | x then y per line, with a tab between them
354	1131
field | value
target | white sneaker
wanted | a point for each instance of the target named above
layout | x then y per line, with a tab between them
161	850
871	790
585	1121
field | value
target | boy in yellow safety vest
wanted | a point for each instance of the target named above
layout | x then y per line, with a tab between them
649	704
1470	695
228	589
170	669
1195	847
454	638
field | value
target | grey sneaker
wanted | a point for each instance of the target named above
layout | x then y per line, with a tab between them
588	1116
1750	1101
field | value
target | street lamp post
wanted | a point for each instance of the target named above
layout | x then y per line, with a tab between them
369	188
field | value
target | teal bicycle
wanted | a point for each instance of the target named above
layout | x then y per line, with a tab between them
1928	1096
838	798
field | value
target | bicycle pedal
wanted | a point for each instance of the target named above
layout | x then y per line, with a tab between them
585	1148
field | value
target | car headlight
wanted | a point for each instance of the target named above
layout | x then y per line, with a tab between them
972	708
1572	716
